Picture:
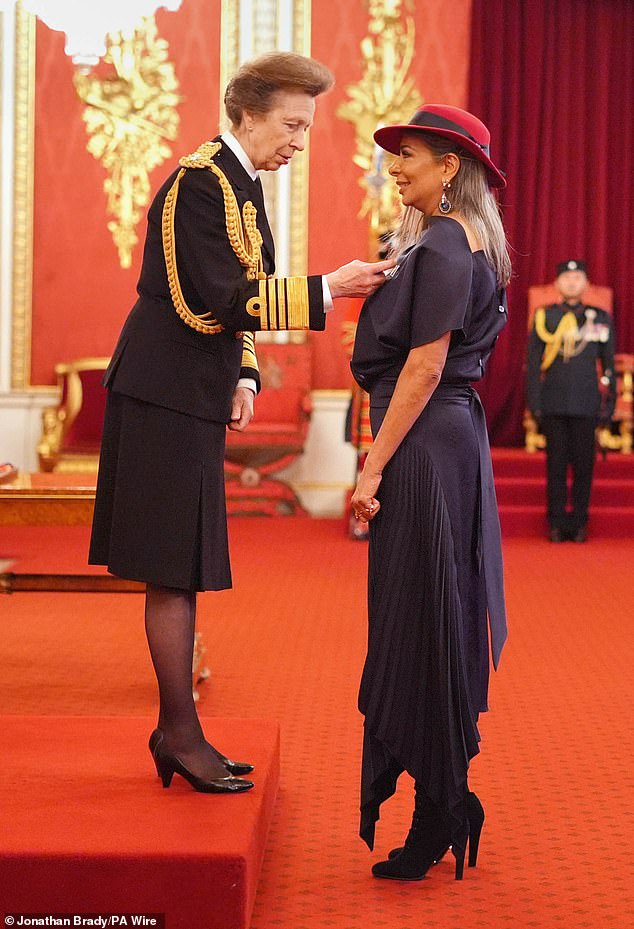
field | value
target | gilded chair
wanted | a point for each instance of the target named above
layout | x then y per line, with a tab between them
71	430
618	435
275	437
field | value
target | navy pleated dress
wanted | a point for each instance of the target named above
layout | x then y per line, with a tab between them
435	586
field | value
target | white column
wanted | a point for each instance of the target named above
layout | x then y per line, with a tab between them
326	470
7	135
20	411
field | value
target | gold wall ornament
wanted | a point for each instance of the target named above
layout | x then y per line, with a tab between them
130	117
386	94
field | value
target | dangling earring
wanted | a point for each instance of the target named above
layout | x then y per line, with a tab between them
445	205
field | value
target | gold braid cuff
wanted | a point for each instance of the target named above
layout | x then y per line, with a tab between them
244	236
564	335
249	358
282	303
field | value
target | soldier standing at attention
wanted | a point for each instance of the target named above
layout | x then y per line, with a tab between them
564	396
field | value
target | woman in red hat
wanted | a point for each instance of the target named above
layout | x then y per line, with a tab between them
435	570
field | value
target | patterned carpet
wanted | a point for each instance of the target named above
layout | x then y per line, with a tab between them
555	773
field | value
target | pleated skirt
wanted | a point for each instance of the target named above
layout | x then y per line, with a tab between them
425	678
160	512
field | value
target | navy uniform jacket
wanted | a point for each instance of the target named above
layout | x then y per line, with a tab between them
161	359
570	387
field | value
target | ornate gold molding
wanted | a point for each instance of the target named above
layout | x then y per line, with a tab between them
385	94
130	115
23	198
21	321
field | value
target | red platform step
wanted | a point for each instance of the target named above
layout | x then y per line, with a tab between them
516	462
520	481
531	491
93	831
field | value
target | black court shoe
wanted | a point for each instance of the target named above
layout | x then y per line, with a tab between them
475	818
233	767
168	765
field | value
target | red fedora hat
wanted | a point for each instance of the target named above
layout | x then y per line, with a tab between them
452	123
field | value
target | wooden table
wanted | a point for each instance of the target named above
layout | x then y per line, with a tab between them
40	499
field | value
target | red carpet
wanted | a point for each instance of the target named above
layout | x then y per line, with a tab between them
93	832
555	773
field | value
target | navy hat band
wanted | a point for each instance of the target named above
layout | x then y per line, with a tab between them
433	121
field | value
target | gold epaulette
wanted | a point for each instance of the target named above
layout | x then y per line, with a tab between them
242	231
564	335
249	358
203	157
282	303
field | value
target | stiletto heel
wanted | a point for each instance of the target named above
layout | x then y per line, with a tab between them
458	854
459	843
165	774
155	739
168	765
233	767
475	812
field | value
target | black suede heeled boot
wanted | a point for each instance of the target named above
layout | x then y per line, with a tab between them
475	818
427	841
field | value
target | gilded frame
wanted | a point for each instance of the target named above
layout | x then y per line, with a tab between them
24	134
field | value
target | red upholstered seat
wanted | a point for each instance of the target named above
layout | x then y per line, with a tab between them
72	429
277	434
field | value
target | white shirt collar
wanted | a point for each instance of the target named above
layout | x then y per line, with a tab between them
231	142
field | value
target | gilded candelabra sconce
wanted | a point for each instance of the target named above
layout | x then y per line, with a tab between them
131	116
385	94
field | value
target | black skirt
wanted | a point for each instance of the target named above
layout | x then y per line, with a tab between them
425	679
160	512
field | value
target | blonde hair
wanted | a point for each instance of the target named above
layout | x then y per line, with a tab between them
255	83
471	196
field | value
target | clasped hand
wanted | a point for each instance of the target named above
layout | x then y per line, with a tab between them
364	503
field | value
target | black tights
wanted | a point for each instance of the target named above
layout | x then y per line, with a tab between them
170	619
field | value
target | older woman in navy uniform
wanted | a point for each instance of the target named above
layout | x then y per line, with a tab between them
435	563
567	342
185	367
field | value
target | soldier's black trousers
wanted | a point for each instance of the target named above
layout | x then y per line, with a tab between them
570	440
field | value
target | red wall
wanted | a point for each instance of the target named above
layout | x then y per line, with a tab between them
81	295
336	235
